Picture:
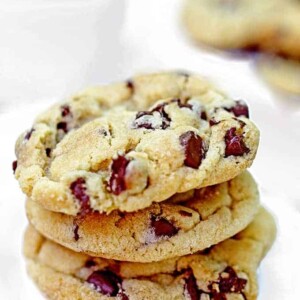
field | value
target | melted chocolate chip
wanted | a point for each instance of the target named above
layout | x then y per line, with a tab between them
147	124
48	151
105	282
239	109
191	287
75	231
162	227
143	113
231	283
78	189
160	108
28	134
14	165
165	118
228	282
234	143
184	213
65	110
62	126
117	183
194	152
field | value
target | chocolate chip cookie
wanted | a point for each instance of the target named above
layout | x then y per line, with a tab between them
184	224
281	72
225	271
96	152
270	25
228	24
285	40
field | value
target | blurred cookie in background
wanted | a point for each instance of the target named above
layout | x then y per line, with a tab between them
281	72
270	25
285	40
231	24
269	28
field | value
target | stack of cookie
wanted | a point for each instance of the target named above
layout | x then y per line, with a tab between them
271	27
139	190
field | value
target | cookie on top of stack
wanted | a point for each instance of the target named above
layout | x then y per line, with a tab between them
139	190
270	27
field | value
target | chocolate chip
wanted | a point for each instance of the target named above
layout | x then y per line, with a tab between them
147	124
191	287
213	122
165	118
48	151
181	104
239	109
14	165
65	110
228	282
105	282
160	108
231	283
28	134
234	143
143	113
203	115
122	296
78	189
193	146
130	84
162	227
218	296
117	183
121	214
103	132
75	231
62	126
90	263
185	213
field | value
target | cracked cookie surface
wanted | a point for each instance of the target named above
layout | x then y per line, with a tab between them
117	148
225	271
181	225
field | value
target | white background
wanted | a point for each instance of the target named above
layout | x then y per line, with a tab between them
51	48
